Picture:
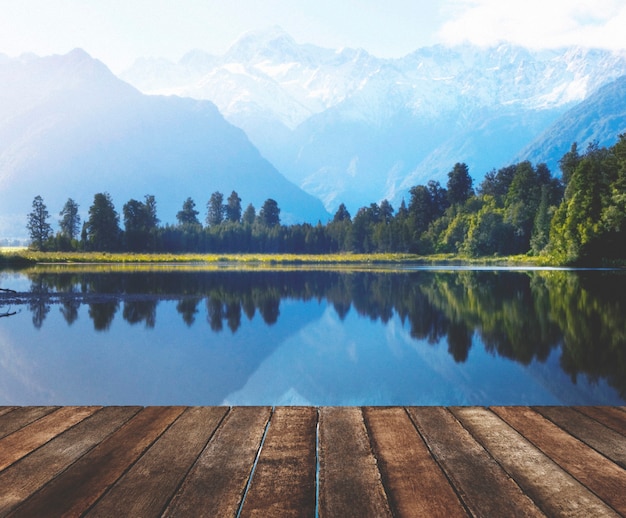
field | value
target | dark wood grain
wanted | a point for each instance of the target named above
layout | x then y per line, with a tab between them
589	467
30	473
554	490
216	484
284	478
6	409
20	417
259	461
350	483
611	417
606	441
416	485
485	488
28	438
149	485
77	488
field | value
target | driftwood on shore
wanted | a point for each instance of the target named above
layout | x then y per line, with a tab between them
8	313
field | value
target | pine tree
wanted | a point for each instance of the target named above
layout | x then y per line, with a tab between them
37	225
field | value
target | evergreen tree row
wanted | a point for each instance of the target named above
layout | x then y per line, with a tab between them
578	218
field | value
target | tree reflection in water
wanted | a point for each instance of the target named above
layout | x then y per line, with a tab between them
521	315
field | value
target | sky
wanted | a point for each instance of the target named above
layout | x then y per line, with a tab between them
119	31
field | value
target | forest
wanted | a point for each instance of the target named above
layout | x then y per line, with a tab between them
576	218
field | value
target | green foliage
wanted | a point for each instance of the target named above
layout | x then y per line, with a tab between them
520	209
233	208
37	224
70	220
269	215
101	231
188	215
215	209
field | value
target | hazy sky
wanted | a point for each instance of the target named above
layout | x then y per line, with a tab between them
119	31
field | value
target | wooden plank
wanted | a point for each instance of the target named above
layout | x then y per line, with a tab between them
6	409
349	480
606	441
215	486
29	474
148	486
603	477
415	484
556	492
21	417
77	488
612	417
21	442
284	479
485	488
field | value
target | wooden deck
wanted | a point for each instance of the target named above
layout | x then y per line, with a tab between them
306	461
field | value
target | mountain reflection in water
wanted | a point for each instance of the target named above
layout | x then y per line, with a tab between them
535	318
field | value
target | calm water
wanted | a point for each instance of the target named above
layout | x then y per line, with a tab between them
185	335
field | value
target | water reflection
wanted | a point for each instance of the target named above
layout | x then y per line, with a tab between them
521	316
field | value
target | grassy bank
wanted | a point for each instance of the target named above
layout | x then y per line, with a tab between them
29	257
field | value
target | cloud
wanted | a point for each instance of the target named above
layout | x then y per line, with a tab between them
536	23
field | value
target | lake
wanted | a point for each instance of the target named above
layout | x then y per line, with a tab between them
193	335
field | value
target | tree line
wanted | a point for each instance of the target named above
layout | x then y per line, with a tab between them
577	218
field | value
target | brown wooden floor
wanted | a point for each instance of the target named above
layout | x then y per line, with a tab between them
303	461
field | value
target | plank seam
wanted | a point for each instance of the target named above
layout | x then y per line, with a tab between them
51	410
502	466
564	468
577	436
441	467
31	452
129	467
593	418
191	466
368	431
15	510
317	462
254	464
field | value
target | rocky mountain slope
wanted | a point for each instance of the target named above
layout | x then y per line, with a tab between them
599	118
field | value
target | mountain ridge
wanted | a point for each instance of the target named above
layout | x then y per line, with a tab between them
70	128
329	120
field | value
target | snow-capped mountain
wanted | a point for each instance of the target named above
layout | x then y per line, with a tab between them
598	119
70	128
349	127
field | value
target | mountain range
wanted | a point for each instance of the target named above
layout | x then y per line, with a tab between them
308	126
349	127
70	128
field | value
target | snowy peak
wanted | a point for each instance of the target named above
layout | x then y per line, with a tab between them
350	127
273	45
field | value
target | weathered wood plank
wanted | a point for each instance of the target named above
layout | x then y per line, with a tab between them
592	469
485	488
612	417
556	492
415	484
349	481
606	441
21	417
284	479
6	409
216	484
77	488
148	486
21	442
26	476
